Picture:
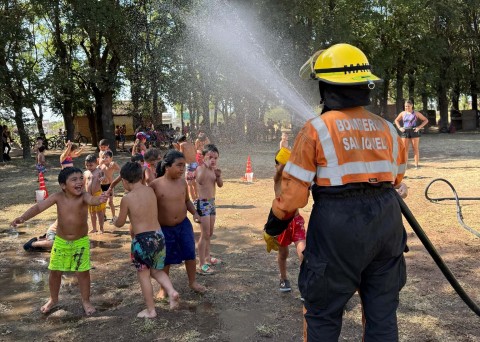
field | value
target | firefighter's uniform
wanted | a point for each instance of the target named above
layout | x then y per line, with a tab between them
350	159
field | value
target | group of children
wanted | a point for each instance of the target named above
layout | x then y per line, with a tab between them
161	232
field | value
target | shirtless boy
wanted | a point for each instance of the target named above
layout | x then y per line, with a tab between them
151	157
148	244
207	176
173	203
189	151
93	177
284	141
108	167
71	248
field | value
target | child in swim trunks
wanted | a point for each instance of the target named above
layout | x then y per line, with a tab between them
108	167
188	150
40	166
71	247
148	244
173	203
295	233
208	176
93	177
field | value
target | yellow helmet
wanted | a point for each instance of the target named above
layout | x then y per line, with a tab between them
339	64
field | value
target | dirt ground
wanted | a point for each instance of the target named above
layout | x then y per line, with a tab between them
243	302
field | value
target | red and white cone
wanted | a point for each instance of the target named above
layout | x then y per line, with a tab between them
248	171
42	187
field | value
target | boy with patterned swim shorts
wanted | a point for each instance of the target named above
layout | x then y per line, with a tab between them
208	178
71	248
148	242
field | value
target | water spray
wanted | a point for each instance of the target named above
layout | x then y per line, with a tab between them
227	37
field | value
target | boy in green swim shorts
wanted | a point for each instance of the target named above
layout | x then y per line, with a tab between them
71	248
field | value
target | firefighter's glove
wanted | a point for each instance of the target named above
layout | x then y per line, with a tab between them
274	225
272	242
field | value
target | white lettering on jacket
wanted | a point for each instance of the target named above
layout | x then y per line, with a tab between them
366	143
368	125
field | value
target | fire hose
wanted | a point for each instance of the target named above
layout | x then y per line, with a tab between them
457	200
433	252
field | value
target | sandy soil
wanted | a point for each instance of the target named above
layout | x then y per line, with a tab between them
243	302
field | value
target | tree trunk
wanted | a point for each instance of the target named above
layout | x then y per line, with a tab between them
442	105
24	140
68	117
39	120
107	119
91	125
384	97
456	96
182	123
424	103
206	111
98	120
157	118
224	111
1	144
215	113
411	85
399	101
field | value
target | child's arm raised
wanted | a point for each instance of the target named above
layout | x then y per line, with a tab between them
77	152
66	152
218	180
36	209
120	220
95	200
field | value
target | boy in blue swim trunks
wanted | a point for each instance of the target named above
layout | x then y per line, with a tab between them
148	242
71	248
173	202
208	177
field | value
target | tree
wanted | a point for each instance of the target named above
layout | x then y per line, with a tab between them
17	65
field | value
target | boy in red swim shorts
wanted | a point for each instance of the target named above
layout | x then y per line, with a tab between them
295	233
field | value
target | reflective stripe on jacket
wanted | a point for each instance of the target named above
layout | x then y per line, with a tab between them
338	148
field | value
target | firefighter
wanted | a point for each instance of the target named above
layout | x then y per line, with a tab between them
352	161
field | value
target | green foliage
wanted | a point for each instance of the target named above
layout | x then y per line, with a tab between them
69	53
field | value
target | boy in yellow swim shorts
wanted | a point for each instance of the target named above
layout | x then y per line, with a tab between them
71	248
93	178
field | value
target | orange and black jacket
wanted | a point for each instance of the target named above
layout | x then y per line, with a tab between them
335	149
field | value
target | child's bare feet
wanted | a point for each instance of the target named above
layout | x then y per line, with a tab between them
49	305
93	231
162	294
174	298
147	313
197	287
88	307
101	231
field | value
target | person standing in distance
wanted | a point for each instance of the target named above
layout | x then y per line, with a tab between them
353	160
411	129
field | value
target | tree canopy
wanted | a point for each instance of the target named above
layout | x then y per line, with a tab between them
236	59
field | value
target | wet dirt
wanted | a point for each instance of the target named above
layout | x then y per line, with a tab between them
243	302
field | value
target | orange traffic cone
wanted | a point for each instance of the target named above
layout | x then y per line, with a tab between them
41	181
248	171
